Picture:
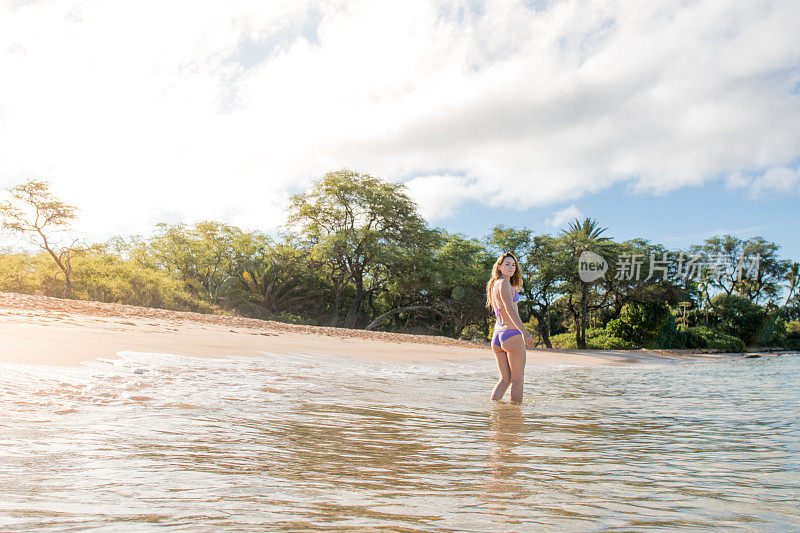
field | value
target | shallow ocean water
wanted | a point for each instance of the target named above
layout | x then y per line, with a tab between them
310	442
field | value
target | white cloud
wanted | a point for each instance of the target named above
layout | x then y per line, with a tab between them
191	110
780	180
438	197
565	215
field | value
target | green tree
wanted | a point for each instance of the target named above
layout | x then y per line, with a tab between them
739	317
640	323
772	271
460	266
204	255
577	238
793	280
444	287
655	280
728	259
268	283
364	230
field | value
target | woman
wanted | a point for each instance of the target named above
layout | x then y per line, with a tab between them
510	337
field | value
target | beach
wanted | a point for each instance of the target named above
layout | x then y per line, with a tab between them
62	332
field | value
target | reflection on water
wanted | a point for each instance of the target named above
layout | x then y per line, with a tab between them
310	442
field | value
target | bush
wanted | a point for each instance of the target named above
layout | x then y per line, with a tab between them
739	317
601	339
473	332
564	341
639	323
792	338
596	339
289	318
670	336
704	337
773	333
18	273
107	278
691	337
99	277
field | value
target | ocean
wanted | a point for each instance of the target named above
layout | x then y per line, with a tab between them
316	443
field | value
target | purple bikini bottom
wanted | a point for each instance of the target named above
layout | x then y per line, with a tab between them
503	335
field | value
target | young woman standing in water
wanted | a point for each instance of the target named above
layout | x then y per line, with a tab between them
510	337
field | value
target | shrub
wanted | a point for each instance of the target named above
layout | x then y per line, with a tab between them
793	335
99	277
670	336
774	331
564	341
704	337
473	332
596	339
639	323
739	317
691	338
107	278
603	340
289	318
18	273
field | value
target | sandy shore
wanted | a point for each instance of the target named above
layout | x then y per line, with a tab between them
54	331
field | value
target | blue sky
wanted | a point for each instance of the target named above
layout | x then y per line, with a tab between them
677	219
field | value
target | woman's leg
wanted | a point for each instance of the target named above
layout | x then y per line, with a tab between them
515	347
505	372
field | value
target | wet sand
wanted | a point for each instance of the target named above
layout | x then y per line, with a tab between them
61	332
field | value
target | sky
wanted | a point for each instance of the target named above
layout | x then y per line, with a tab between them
670	121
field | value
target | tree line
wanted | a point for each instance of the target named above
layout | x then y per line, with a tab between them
356	253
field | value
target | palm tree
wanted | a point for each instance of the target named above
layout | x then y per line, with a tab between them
793	277
263	289
577	238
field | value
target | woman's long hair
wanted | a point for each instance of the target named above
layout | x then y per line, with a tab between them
515	280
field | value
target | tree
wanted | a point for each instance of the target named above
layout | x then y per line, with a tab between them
720	251
543	264
654	282
793	278
34	211
766	282
364	230
460	270
267	284
739	317
204	256
640	323
580	237
726	255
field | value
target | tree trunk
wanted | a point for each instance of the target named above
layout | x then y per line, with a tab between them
576	318
67	276
543	326
355	308
584	313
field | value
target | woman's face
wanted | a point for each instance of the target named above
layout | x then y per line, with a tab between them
508	267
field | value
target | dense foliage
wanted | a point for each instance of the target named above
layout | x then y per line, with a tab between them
356	253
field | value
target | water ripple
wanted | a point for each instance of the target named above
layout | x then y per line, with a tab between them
309	442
